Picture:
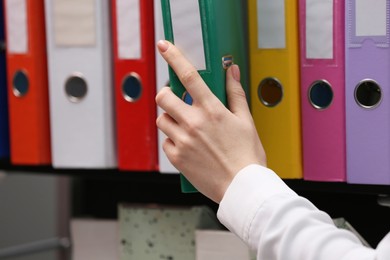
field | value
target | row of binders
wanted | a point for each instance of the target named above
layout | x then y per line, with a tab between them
320	81
81	76
81	83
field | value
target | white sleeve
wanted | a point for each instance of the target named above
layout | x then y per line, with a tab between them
273	220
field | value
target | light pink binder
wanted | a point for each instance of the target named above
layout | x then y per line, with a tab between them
323	89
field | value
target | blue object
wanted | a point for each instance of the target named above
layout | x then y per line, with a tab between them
187	98
4	128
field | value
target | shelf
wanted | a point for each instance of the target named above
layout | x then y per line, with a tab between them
97	193
156	177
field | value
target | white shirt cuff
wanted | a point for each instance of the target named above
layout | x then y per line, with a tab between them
250	188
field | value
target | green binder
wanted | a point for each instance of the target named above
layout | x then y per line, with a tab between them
210	33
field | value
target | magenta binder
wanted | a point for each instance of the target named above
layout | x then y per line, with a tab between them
367	91
322	89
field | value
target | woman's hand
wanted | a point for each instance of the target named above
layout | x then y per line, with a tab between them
207	142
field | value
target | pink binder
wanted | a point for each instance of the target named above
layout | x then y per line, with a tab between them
323	89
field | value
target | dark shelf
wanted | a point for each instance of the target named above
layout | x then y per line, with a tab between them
97	193
156	177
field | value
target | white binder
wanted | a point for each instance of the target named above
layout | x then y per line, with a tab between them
80	84
162	79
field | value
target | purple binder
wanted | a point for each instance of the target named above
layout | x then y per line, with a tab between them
367	92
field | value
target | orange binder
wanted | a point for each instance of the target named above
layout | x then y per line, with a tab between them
27	82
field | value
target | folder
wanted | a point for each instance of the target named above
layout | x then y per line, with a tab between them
81	84
322	68
135	81
367	91
274	74
27	82
210	34
162	79
4	128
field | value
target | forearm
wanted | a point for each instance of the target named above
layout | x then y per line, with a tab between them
279	224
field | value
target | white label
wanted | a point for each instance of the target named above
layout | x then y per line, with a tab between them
271	24
319	29
371	17
187	31
17	34
74	22
128	29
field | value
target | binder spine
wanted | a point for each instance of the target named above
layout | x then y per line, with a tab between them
323	89
367	93
135	81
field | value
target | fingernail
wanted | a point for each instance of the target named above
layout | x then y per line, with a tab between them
236	72
162	45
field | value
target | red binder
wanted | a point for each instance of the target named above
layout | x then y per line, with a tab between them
27	82
135	84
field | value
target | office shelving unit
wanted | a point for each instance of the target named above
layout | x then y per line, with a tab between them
97	193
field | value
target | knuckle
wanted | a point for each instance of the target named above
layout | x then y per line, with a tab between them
166	144
175	158
217	115
215	111
161	95
159	98
160	119
194	126
183	143
189	77
239	92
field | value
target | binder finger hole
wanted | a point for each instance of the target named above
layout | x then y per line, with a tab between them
187	98
320	94
368	94
270	92
20	83
76	88
132	87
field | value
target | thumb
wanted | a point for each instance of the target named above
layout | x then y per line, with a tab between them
236	96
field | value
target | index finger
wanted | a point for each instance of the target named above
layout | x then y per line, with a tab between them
185	71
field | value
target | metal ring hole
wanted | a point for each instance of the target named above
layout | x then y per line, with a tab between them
131	87
76	88
270	92
321	94
368	94
20	83
227	61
